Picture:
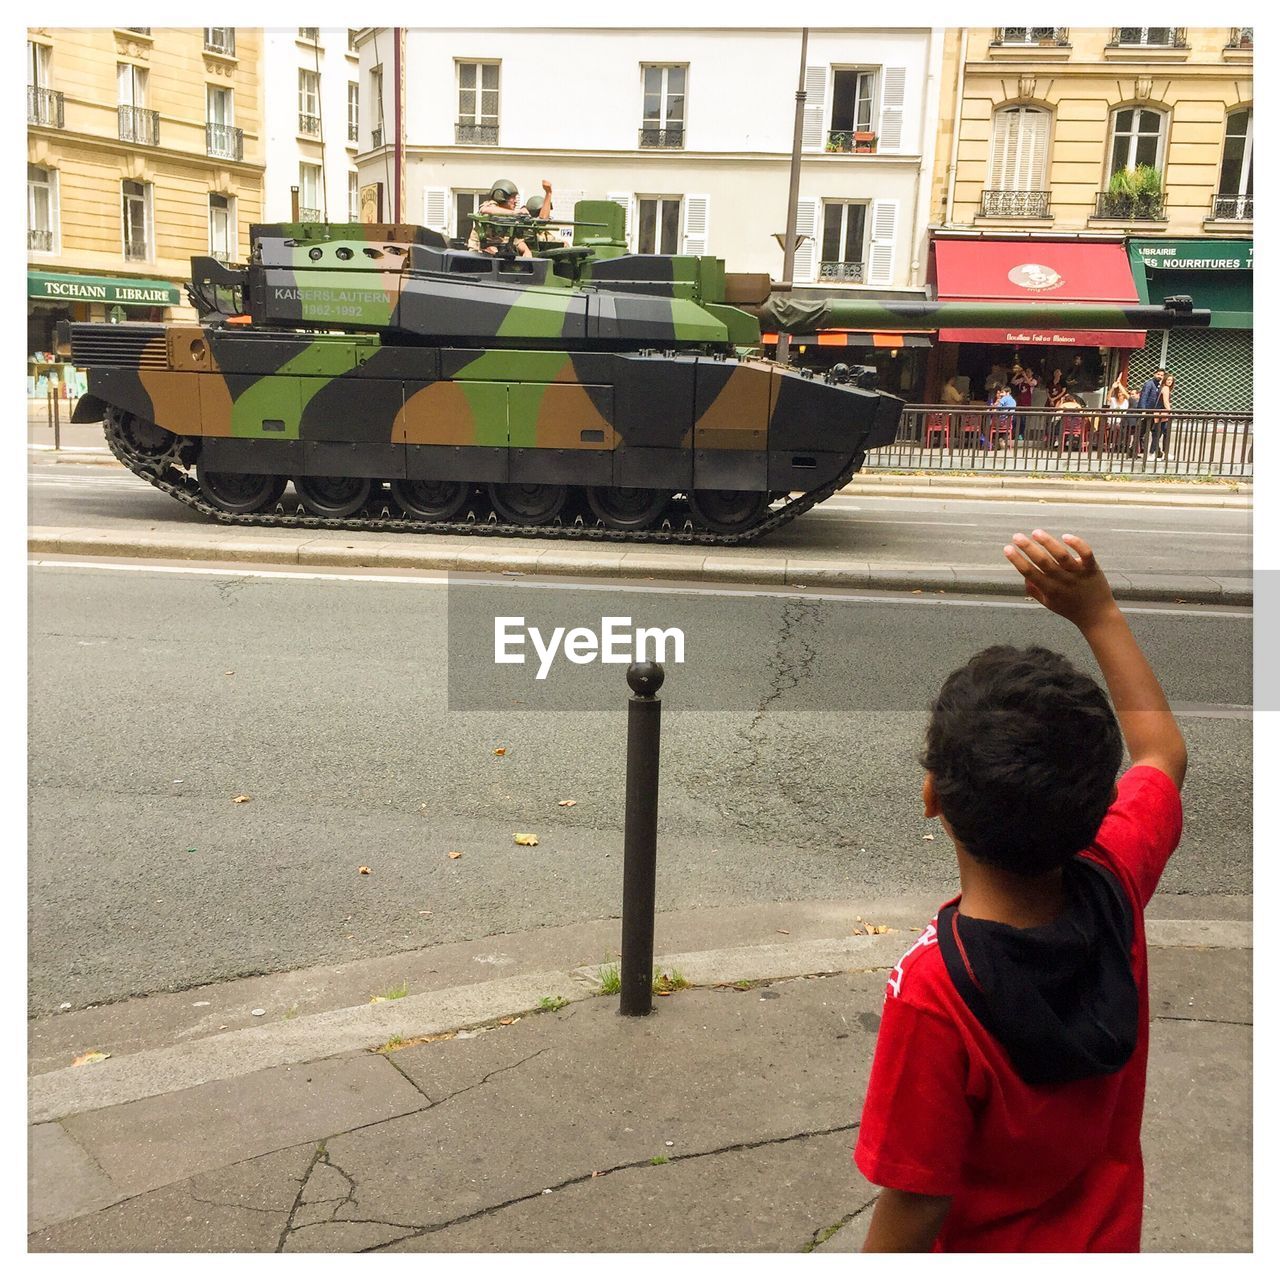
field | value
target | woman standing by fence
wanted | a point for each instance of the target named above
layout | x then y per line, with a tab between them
1160	423
1118	432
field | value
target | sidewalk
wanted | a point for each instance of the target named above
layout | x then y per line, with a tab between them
723	1122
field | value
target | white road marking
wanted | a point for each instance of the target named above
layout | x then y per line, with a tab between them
627	588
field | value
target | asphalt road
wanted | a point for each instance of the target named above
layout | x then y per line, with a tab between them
907	531
788	762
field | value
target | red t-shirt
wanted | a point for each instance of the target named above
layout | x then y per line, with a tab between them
1030	1168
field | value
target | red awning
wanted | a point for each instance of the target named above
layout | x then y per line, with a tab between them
1037	271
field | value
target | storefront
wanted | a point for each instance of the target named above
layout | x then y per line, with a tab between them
1213	367
1045	273
53	297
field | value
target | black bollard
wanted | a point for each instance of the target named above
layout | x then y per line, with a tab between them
640	848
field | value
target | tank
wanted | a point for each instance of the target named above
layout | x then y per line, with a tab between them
559	387
399	381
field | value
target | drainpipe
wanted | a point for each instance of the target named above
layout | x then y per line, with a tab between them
955	134
398	71
783	350
924	182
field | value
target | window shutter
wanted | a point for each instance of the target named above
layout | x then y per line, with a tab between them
892	96
1037	167
1020	150
697	211
815	105
884	217
806	259
628	201
435	209
1002	134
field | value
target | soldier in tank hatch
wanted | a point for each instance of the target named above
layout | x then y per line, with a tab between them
502	203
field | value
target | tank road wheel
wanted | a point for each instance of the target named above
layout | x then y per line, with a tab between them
240	493
528	503
727	510
430	499
141	440
627	508
334	497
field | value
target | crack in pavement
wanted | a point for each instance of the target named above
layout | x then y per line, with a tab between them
1216	1022
297	1200
823	1234
489	1210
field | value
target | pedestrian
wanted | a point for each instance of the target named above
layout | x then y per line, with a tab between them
1148	401
1004	1108
1024	385
1160	422
1055	394
1005	403
1119	424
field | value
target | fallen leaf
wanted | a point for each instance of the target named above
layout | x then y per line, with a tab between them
928	836
453	853
228	673
505	1022
786	931
567	804
241	799
499	751
377	999
918	591
525	837
662	993
192	849
595	1173
87	1059
366	871
877	928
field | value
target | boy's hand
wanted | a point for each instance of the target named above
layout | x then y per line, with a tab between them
1069	584
546	186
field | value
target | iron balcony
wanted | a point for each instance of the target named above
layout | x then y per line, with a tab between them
1015	204
224	140
467	133
1132	207
44	106
670	136
137	124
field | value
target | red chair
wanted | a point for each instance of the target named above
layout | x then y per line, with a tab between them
937	424
1001	425
1076	424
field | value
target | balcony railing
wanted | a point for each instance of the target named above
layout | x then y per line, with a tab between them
1145	206
375	138
309	215
310	34
137	124
847	271
220	40
224	140
44	106
1031	35
353	131
859	141
39	240
1151	37
1241	38
1015	204
221	255
654	135
1233	208
467	133
136	251
308	124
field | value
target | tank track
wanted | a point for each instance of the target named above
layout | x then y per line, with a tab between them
166	473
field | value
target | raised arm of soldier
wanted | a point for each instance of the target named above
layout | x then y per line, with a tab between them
545	212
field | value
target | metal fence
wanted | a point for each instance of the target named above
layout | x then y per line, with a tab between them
1097	441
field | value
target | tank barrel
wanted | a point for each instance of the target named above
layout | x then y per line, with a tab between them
796	315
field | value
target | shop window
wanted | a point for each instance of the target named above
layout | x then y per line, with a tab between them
477	103
136	221
308	102
662	122
844	241
42	209
659	229
222	227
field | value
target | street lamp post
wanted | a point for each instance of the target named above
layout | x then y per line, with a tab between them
793	194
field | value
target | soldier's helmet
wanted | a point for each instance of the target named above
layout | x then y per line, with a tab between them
503	190
534	205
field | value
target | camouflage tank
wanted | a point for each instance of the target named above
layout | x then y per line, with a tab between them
401	382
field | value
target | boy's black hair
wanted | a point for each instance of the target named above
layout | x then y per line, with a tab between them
1024	751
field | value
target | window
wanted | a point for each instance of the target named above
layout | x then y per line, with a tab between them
131	82
136	123
44	105
353	111
353	196
218	105
1234	198
1161	37
37	65
222	138
222	227
309	102
1137	138
42	209
220	40
310	34
465	203
136	220
659	229
1031	35
1018	185
375	99
663	119
309	193
844	237
352	34
853	96
477	103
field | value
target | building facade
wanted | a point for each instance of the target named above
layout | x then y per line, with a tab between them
690	130
144	148
1128	138
311	112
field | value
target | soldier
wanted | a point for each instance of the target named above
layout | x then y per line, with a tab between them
538	208
500	204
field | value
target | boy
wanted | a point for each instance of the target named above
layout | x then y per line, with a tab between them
1005	1101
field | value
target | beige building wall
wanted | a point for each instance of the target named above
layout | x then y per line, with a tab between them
1082	82
91	160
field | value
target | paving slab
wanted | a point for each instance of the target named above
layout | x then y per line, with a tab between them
731	568
153	1142
63	1180
655	562
596	560
828	573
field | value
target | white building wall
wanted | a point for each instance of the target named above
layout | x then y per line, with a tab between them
571	111
286	146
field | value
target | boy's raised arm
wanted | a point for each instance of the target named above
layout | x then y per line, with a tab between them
1064	577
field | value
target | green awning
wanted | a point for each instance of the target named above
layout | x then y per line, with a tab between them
123	291
1218	274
